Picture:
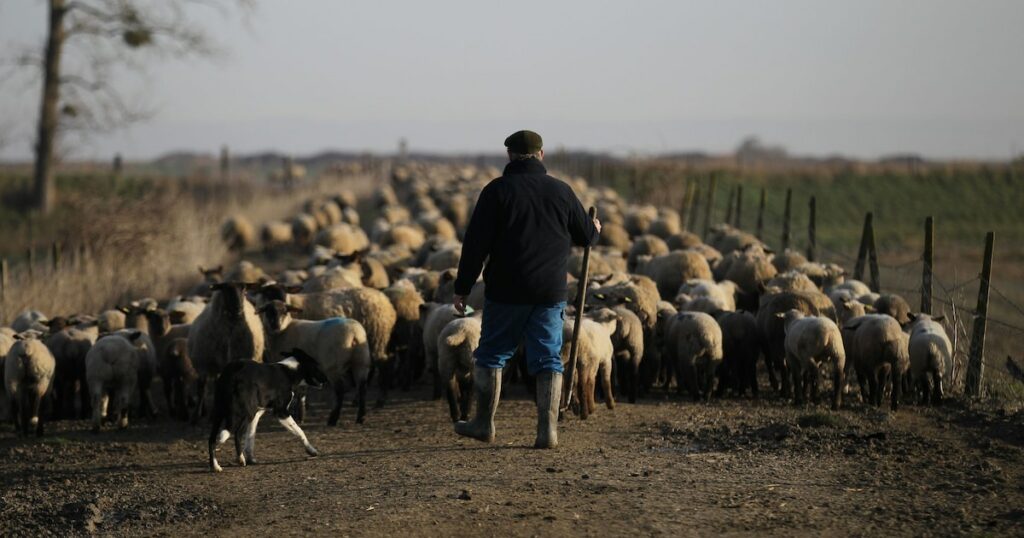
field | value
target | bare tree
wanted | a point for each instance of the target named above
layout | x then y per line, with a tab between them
99	37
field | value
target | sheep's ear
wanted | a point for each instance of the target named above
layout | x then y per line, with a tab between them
18	336
939	318
293	309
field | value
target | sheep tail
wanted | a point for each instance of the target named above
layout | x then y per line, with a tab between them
455	339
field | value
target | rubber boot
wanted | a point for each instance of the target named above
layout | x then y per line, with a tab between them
487	383
549	394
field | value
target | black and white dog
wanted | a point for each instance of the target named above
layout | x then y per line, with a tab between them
246	389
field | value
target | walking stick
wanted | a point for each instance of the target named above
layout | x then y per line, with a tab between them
581	297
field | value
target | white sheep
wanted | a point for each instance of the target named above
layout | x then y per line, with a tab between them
455	346
29	320
719	296
594	353
693	346
28	374
879	350
339	345
112	369
931	357
812	341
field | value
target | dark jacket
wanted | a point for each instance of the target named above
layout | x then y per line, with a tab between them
524	224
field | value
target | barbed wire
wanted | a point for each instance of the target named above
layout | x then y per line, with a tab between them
1005	298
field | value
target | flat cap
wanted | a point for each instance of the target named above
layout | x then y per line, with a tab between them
524	142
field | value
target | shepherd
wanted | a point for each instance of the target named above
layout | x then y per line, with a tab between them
524	226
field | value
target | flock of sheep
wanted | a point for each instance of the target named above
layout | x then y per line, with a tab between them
373	299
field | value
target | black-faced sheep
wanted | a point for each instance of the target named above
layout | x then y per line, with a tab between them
741	347
69	346
174	364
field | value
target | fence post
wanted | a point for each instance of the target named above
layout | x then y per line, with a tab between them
3	285
785	219
760	214
31	263
739	206
929	259
875	284
694	206
691	184
710	208
976	363
729	206
55	256
811	241
862	252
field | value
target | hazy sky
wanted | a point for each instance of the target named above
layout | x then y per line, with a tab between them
863	78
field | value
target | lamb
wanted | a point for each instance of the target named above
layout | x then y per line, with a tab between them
368	306
173	361
741	347
28	374
811	342
931	357
628	342
238	233
594	353
112	368
338	343
670	271
228	329
246	389
879	349
694	345
455	346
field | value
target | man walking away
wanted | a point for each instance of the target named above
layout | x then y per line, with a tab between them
524	225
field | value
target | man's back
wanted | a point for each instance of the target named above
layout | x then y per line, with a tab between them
525	224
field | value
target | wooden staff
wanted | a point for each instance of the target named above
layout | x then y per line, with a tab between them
581	297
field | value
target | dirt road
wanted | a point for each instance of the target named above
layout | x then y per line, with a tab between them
662	466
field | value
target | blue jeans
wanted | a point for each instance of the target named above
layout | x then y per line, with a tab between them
538	326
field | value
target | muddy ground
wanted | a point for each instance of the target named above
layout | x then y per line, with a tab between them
662	466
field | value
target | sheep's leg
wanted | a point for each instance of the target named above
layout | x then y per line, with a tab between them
606	384
689	371
770	366
796	372
466	400
385	383
339	398
361	399
13	410
201	393
451	392
709	380
787	390
874	387
99	407
634	379
172	408
896	386
750	371
837	387
34	401
937	395
250	437
289	424
581	396
813	382
84	399
124	402
591	393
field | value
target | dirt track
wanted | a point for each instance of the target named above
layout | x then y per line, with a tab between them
657	467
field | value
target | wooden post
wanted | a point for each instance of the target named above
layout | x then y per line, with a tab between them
694	206
55	256
976	362
760	213
739	207
875	284
3	284
929	260
862	252
785	219
729	206
31	263
710	208
811	240
688	194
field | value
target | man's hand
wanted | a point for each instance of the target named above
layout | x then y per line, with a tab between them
597	224
460	304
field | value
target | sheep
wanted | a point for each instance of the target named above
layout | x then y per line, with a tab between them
693	344
276	234
28	375
719	295
304	228
432	245
173	361
669	271
640	295
343	238
445	292
339	345
895	306
228	329
112	368
246	389
725	238
445	258
403	234
433	319
645	245
772	330
110	320
594	353
847	307
599	266
426	282
406	338
29	319
788	260
336	278
69	347
614	235
681	240
824	275
245	271
750	270
855	288
183	311
628	342
931	357
879	350
238	233
741	347
437	226
368	306
810	342
147	368
455	346
211	275
638	219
